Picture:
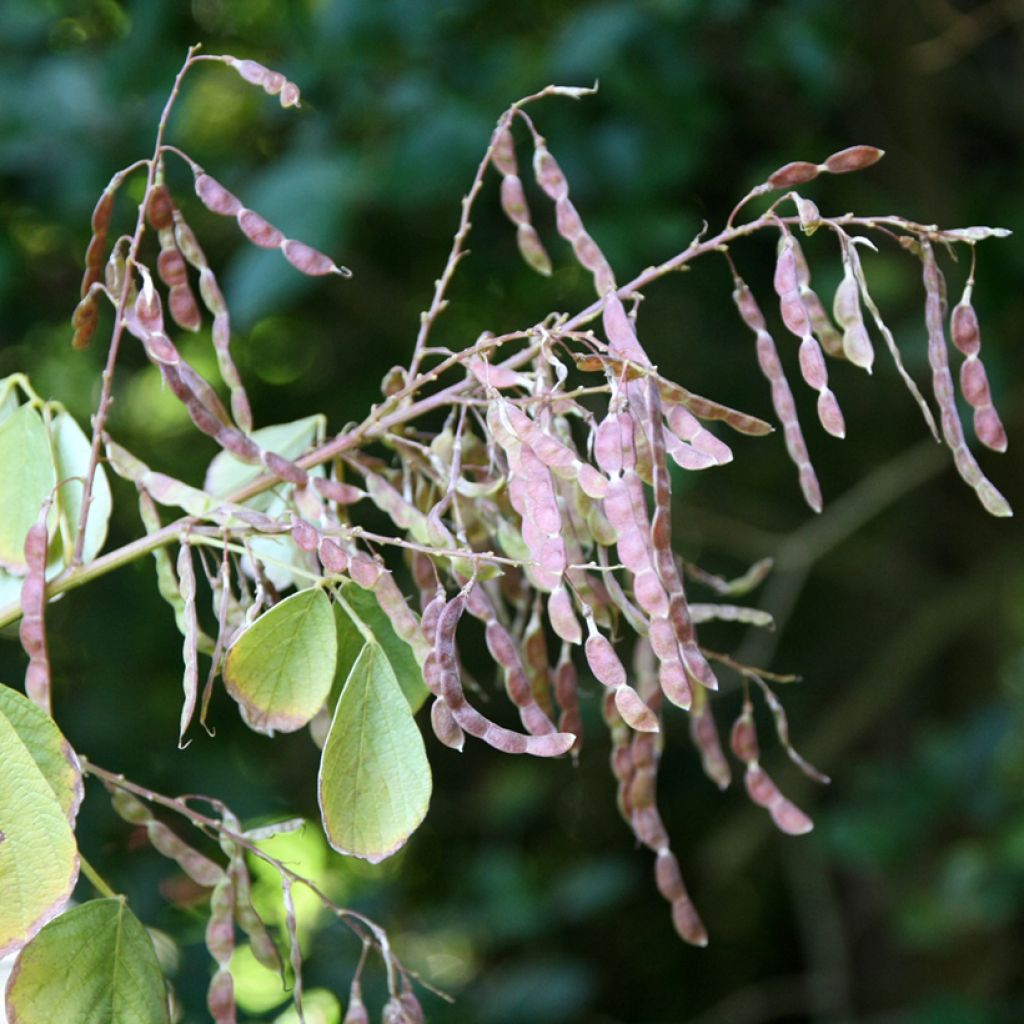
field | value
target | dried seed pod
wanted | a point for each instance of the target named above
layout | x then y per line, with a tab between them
942	386
796	318
532	249
974	386
567	695
190	642
854	158
551	744
704	734
160	208
821	323
796	173
32	628
215	197
846	309
273	83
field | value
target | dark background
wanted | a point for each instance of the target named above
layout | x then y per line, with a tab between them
901	606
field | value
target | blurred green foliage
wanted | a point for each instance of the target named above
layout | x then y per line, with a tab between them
521	894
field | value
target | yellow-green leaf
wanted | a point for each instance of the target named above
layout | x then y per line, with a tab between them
374	784
49	749
281	668
27	477
38	855
93	965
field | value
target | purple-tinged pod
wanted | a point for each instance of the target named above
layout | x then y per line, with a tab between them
704	734
503	151
799	172
215	197
513	200
532	249
332	556
548	174
562	618
160	208
273	83
854	158
446	729
309	261
966	334
258	230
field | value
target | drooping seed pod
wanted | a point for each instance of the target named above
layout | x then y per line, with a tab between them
974	386
273	83
190	641
294	950
220	941
846	309
704	734
854	158
32	628
260	231
942	387
552	180
821	323
444	658
567	695
796	318
356	1012
781	393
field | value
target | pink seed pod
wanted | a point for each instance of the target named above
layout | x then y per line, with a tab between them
503	151
356	1013
273	83
495	376
798	172
332	556
446	729
220	997
704	734
568	221
32	628
622	339
685	919
160	208
364	570
563	620
259	231
567	695
966	334
743	738
214	196
548	174
846	309
336	491
181	304
309	261
532	249
304	535
513	200
855	158
762	790
821	324
942	387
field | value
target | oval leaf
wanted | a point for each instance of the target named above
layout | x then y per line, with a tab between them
281	668
49	749
38	856
96	963
374	784
26	479
350	642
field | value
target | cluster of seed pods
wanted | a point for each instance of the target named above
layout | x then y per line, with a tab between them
513	201
441	672
782	395
942	386
974	386
634	764
797	319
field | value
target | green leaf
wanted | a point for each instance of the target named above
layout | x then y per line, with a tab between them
281	668
38	856
350	642
93	965
26	480
227	474
374	783
49	749
72	450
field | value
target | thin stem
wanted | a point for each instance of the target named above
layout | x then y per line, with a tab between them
95	878
99	421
